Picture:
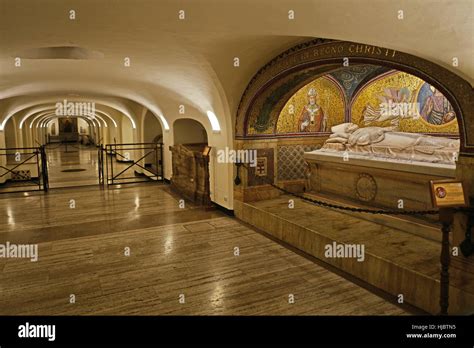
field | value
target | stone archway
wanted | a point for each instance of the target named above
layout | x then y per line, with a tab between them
277	81
189	131
319	56
190	161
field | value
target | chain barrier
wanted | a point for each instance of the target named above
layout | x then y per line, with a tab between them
370	211
358	210
465	209
446	228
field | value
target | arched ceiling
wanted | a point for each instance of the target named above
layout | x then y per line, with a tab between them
190	61
30	115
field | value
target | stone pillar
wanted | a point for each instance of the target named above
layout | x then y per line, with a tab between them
19	139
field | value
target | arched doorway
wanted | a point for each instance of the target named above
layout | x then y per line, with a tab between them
7	154
10	134
189	131
71	151
152	134
190	161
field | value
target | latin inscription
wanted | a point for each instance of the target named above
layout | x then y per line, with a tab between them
327	50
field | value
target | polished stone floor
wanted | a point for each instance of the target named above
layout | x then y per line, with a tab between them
75	165
70	157
72	165
172	252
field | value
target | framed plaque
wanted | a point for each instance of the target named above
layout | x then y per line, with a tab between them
447	193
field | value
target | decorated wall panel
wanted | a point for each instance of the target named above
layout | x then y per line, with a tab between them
350	94
415	105
290	160
314	108
362	94
264	114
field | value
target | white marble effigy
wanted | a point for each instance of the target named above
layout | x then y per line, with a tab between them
378	166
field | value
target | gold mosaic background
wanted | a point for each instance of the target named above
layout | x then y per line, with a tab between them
329	97
254	114
257	107
370	95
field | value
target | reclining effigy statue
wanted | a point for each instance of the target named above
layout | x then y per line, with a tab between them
384	142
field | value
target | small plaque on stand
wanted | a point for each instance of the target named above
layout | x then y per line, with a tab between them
447	193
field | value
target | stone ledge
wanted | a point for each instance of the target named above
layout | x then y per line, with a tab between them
437	169
396	262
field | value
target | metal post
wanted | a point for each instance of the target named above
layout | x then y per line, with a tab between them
158	162
112	166
102	161
99	163
107	164
162	170
44	166
39	166
446	216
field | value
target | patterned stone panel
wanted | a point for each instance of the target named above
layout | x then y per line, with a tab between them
290	161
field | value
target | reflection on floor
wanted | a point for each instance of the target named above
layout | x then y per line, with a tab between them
173	251
69	157
71	165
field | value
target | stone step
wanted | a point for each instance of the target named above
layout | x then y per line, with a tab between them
416	225
397	262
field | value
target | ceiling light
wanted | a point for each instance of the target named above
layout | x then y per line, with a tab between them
214	121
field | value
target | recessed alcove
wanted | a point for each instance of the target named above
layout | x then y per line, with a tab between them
369	134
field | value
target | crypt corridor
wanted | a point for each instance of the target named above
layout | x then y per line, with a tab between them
173	251
205	159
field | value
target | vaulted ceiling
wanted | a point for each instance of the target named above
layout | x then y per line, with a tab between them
191	61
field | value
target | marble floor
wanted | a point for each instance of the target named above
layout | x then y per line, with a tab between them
82	159
72	165
172	252
395	260
75	165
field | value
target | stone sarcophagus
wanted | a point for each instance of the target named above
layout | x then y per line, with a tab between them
191	172
372	181
377	166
